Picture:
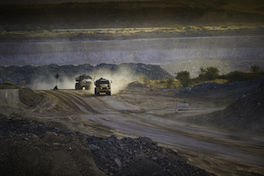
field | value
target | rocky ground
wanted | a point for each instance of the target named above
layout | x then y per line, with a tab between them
33	148
46	145
246	113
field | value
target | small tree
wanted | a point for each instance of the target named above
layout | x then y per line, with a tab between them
182	74
255	69
210	73
184	78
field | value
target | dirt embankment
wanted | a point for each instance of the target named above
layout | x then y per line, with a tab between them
230	106
29	97
245	113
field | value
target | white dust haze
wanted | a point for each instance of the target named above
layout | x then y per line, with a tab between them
119	80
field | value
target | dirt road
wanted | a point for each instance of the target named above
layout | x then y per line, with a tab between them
133	115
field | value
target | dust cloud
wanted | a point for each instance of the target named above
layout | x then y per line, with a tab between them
119	79
49	82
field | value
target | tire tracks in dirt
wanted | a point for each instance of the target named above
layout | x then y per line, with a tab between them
74	102
78	99
129	121
68	102
206	143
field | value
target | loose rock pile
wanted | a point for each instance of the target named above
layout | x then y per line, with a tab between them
245	114
248	111
240	88
33	148
139	156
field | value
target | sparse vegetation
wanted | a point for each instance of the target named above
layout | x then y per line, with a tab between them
169	83
256	69
243	76
184	78
225	26
237	76
209	74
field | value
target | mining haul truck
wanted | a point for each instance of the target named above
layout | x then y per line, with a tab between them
83	81
102	86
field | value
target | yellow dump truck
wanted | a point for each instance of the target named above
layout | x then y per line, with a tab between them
83	81
102	86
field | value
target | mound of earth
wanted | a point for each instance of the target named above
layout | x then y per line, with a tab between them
33	148
246	113
29	97
136	84
141	89
235	89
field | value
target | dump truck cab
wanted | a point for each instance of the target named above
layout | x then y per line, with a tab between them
83	81
102	86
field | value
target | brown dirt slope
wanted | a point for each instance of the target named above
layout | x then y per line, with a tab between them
29	97
246	113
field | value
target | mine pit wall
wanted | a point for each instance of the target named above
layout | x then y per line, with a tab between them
10	98
228	52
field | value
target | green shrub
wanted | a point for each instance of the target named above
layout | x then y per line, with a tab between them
184	78
169	83
210	73
236	76
243	76
182	74
222	76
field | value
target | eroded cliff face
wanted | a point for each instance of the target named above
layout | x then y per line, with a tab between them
174	54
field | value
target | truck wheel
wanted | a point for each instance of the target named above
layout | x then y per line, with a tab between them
77	87
109	93
95	93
